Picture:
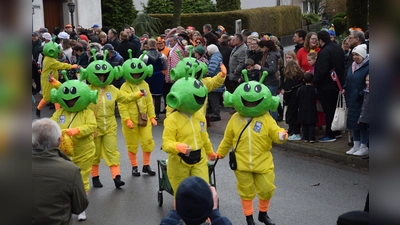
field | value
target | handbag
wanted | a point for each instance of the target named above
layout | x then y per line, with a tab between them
232	154
340	117
142	120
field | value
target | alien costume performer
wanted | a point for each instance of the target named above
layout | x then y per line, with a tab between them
100	74
255	167
211	83
51	50
135	71
185	136
78	122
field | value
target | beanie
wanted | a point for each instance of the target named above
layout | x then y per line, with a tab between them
212	49
361	50
194	201
199	49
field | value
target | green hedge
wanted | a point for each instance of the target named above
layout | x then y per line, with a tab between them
278	20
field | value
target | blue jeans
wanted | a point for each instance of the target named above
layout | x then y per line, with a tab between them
361	135
274	113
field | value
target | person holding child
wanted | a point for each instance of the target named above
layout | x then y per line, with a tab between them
307	115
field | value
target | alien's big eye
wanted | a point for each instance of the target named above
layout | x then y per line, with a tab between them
247	87
133	65
104	67
197	61
257	88
189	64
197	84
65	90
73	90
140	66
97	67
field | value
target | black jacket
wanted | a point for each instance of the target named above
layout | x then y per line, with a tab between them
298	47
329	57
123	48
226	53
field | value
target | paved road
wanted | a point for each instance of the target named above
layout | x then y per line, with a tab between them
296	200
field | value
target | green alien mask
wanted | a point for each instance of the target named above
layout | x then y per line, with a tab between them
100	73
251	98
134	70
73	95
52	49
188	94
180	70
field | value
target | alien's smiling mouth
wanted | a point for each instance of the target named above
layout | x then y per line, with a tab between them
136	75
102	76
70	103
199	100
251	104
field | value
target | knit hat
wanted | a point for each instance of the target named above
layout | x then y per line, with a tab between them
200	49
332	33
84	37
212	49
95	25
63	35
225	38
107	47
194	201
361	50
221	29
46	36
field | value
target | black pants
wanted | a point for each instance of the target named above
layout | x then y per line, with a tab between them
36	78
157	104
294	128
213	100
328	101
308	131
166	90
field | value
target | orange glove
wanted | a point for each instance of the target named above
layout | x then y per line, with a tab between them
75	66
212	156
183	148
129	123
283	135
72	131
153	121
223	69
139	93
219	156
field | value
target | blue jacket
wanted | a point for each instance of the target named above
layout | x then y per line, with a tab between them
216	219
354	94
214	69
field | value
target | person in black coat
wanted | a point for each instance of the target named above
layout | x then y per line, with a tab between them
306	101
330	58
125	45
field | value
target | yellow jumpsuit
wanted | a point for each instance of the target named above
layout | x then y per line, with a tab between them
211	83
255	167
106	131
130	111
84	147
191	129
50	65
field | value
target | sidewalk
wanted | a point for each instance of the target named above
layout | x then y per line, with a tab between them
335	151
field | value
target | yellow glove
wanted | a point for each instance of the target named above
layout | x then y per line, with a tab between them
183	148
212	156
72	131
129	123
153	121
223	69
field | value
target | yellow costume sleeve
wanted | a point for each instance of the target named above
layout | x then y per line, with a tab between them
125	97
213	83
227	142
274	130
148	101
89	125
169	135
123	107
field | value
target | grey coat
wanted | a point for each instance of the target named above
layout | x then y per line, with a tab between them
236	62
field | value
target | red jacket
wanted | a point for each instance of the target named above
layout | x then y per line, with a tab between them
302	59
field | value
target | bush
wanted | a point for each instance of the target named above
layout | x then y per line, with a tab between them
278	20
117	13
145	23
228	5
188	6
311	18
339	15
340	26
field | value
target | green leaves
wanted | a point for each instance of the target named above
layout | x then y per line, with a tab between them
117	13
145	23
188	6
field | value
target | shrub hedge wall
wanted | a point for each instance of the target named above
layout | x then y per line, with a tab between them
278	20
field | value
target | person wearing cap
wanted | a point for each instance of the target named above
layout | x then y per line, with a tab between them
96	27
46	37
68	29
332	35
115	59
199	52
221	30
196	201
353	90
330	57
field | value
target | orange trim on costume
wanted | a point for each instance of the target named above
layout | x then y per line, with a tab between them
132	158
95	170
41	104
57	106
146	158
247	206
263	205
114	171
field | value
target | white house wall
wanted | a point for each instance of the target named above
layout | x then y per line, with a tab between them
89	13
37	17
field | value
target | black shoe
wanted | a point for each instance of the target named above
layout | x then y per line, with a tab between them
96	182
135	171
263	217
37	113
147	169
215	118
250	220
118	182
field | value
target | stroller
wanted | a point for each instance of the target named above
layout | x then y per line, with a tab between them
165	185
